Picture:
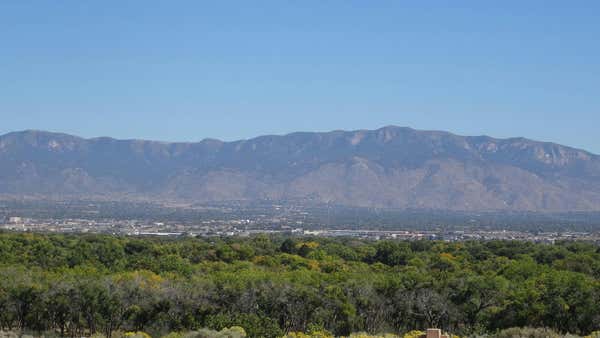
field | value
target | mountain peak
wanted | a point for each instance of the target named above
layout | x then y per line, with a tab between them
390	167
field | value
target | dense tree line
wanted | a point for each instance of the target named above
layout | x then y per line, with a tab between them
79	285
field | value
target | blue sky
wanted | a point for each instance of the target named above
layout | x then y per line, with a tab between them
187	70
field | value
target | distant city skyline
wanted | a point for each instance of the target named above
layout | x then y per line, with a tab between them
190	70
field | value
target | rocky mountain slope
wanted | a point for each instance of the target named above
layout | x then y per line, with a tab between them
389	167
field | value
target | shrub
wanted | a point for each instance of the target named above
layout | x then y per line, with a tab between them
138	334
414	334
526	332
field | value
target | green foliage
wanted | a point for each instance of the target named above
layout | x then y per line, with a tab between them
84	285
233	332
392	253
413	334
366	335
527	332
313	334
137	334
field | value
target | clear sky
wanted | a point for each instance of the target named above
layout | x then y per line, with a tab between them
187	70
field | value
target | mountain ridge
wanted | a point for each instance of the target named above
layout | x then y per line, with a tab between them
216	140
394	167
212	139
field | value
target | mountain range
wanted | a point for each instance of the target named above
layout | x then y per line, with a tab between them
391	167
